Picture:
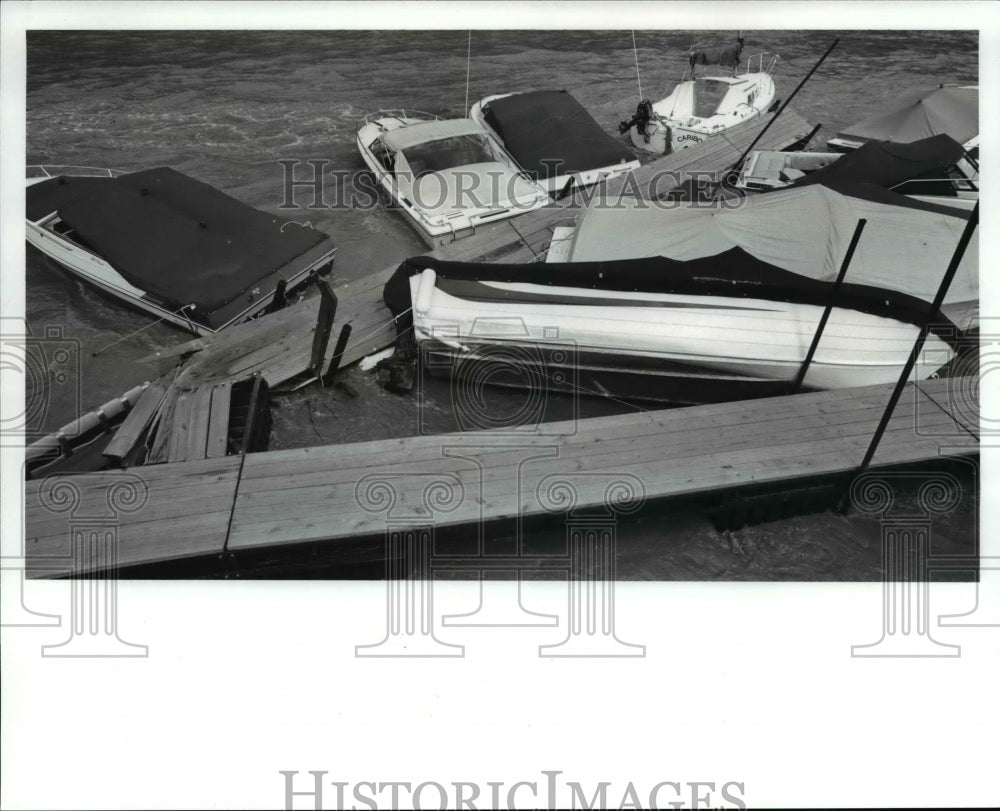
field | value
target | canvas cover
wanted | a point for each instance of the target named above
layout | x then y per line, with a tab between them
176	237
727	56
949	110
906	246
887	164
547	127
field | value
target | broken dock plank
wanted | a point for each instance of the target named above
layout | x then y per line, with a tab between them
135	424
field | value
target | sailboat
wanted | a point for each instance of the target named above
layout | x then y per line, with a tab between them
700	107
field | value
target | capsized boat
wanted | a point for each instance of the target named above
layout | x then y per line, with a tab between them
951	110
701	107
446	175
169	244
935	168
553	138
689	305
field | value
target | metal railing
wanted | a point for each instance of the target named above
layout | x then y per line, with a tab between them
398	114
53	170
760	63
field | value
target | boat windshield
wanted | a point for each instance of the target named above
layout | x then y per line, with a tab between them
708	95
448	153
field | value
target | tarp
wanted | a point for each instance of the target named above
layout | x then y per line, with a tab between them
413	134
906	246
549	133
176	237
948	110
887	164
727	56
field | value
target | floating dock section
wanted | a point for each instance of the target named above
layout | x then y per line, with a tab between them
337	494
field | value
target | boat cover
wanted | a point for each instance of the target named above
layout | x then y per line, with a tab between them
949	110
174	236
549	133
426	131
727	56
733	273
886	164
906	245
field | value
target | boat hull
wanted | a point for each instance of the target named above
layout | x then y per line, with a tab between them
669	347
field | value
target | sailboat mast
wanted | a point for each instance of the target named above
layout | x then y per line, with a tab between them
635	53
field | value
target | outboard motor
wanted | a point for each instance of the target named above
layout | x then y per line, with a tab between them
643	115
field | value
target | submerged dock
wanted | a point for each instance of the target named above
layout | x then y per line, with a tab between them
285	501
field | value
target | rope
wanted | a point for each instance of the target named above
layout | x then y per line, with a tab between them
136	332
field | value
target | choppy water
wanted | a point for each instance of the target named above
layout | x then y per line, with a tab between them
226	107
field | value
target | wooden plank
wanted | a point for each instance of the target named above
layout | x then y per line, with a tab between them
723	472
677	449
771	414
959	397
197	432
336	494
177	428
711	461
218	423
292	497
137	420
167	527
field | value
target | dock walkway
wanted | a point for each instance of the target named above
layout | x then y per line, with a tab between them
340	493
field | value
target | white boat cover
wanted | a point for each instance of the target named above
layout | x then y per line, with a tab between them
413	134
947	109
904	247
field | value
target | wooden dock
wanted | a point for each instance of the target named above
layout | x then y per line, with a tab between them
338	494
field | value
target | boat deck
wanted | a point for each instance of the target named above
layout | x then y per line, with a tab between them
338	494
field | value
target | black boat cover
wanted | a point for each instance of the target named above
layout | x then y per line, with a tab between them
887	164
173	236
732	274
549	133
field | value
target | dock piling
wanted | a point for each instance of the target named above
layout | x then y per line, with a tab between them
801	376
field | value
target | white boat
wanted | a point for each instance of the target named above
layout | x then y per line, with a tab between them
169	244
553	138
446	175
724	305
699	108
935	168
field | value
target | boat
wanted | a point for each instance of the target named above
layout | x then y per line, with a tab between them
693	305
169	244
951	110
553	138
935	168
447	176
699	108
